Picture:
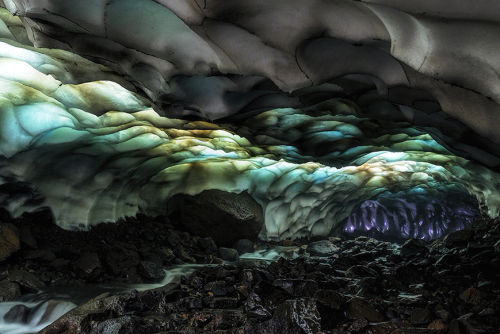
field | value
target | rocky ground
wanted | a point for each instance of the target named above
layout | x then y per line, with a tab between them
332	286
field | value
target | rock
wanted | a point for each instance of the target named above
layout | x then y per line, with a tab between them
297	287
359	324
218	288
150	270
88	266
438	324
243	246
224	216
301	311
17	314
223	303
120	260
413	248
40	255
458	238
264	299
275	325
472	296
208	245
228	254
224	320
360	271
474	324
27	238
28	282
420	316
184	256
125	325
332	299
9	241
9	291
358	308
322	248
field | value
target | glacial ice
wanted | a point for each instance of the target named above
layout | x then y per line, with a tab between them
78	138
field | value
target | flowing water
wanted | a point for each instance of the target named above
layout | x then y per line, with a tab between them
40	310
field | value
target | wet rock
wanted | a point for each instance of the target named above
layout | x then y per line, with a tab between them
121	325
223	303
472	296
228	254
226	217
497	246
59	263
361	271
413	248
217	288
17	314
420	316
208	245
224	320
264	299
243	246
88	266
274	325
303	312
9	241
9	291
150	270
184	256
332	299
322	248
27	281
458	238
120	260
358	308
359	324
298	288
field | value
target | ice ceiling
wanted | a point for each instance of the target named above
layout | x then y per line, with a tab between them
334	115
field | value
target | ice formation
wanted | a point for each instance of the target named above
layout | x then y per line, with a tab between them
331	126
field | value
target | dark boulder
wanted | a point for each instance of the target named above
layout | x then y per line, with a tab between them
458	238
303	312
9	241
88	266
413	248
358	308
150	270
9	291
228	254
28	282
264	299
226	217
120	260
243	246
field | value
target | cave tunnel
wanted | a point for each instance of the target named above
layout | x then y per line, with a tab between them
338	118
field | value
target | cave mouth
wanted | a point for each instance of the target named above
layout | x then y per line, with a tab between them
407	216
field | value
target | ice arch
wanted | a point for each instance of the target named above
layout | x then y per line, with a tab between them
323	121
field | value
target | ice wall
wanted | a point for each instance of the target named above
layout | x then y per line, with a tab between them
215	58
94	152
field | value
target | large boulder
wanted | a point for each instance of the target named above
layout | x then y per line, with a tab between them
226	217
9	241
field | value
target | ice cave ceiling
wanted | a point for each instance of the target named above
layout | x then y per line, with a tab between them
334	115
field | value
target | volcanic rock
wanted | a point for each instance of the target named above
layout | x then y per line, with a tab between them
226	217
9	241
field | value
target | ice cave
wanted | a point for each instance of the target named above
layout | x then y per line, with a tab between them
338	118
